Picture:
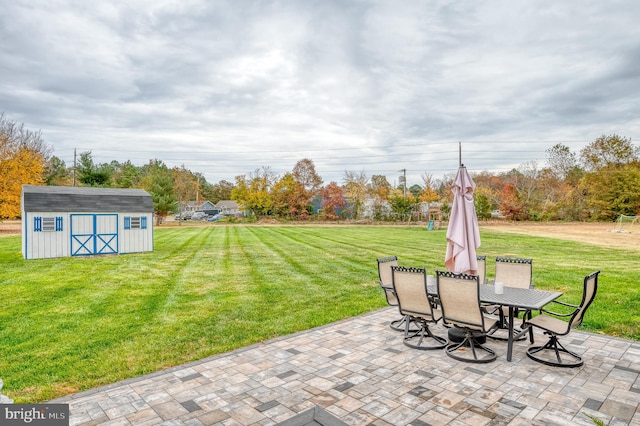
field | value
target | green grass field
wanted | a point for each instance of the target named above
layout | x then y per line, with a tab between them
70	324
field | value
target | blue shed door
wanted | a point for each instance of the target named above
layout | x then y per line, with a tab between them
94	234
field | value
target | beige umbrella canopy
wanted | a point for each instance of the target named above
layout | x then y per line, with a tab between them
463	235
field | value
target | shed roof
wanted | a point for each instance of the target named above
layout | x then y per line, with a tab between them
84	199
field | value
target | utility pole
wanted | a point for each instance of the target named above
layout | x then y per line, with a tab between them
404	180
197	191
74	167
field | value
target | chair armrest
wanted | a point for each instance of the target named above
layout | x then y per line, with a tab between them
557	314
386	287
565	304
489	308
526	316
560	314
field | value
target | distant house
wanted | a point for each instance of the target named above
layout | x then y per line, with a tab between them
192	206
207	205
61	221
199	206
228	207
209	208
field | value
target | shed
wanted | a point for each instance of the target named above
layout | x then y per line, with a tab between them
62	221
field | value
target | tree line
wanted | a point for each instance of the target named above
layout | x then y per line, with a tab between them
600	182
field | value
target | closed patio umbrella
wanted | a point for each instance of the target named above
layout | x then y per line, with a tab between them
463	235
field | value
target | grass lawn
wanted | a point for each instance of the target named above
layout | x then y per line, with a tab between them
70	324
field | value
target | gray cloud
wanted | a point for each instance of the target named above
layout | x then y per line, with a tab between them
225	87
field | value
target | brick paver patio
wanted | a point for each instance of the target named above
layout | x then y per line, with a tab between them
359	371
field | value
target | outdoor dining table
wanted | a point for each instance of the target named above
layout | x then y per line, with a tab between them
523	298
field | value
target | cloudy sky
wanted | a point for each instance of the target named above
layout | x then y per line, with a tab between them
226	87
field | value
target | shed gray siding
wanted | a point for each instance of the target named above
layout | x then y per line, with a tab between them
84	200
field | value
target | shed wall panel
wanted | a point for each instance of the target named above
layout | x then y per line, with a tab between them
136	240
45	244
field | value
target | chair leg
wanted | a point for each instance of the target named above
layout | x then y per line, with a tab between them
398	325
416	339
554	345
504	325
474	346
528	316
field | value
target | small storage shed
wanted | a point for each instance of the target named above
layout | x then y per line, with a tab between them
61	221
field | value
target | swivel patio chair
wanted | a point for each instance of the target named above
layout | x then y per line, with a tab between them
459	296
456	334
414	301
512	272
553	352
482	268
386	283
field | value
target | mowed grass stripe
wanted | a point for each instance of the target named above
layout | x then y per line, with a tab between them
343	245
318	265
301	257
343	239
303	278
414	245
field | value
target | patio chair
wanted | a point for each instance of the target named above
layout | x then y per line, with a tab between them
512	272
482	268
456	334
459	296
552	352
414	301
386	283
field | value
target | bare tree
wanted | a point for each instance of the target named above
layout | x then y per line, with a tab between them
561	160
528	181
14	136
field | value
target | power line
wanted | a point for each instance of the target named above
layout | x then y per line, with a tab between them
359	148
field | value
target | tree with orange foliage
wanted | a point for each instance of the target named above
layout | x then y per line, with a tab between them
290	198
429	192
511	205
333	201
23	157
